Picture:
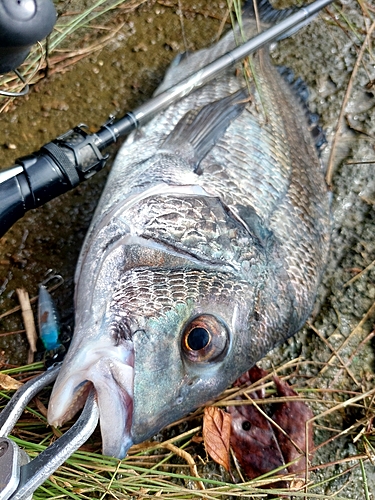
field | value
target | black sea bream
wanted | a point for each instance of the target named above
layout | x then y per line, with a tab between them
205	252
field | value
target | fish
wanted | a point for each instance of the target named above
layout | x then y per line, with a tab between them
205	252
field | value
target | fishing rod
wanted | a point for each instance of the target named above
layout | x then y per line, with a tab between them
76	155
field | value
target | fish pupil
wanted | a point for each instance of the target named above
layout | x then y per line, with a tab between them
198	338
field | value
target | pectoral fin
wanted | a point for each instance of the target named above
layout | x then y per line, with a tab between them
199	130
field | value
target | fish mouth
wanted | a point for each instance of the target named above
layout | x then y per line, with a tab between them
111	372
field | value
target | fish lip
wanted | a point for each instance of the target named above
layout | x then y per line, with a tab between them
115	401
111	373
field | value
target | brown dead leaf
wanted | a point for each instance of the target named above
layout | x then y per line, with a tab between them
8	383
252	438
197	439
292	416
216	434
261	446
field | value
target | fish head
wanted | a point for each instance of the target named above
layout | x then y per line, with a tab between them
191	337
164	342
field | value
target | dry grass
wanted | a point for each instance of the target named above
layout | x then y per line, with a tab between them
164	469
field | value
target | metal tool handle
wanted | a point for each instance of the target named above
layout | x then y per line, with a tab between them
19	479
12	458
13	410
38	470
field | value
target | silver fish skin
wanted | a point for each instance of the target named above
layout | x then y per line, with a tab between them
205	252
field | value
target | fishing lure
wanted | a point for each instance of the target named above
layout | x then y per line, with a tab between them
49	327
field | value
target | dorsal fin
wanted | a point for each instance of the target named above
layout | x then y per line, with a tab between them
302	93
268	14
199	130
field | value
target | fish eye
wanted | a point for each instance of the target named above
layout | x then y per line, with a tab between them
205	339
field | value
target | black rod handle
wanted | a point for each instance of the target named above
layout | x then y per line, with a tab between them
29	185
56	168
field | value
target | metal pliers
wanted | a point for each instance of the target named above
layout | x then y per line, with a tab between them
20	477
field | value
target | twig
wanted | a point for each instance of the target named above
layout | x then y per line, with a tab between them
338	462
330	362
188	458
343	433
32	300
15	332
331	159
361	344
182	25
353	333
224	20
28	320
343	405
370	266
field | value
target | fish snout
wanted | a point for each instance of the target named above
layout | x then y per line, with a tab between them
110	370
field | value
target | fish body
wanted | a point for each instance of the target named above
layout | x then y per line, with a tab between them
205	252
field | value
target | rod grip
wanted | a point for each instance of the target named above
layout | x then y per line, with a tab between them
39	180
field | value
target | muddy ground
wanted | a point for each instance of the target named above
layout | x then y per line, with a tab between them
123	75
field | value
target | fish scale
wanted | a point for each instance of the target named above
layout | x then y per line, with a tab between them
178	286
215	218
